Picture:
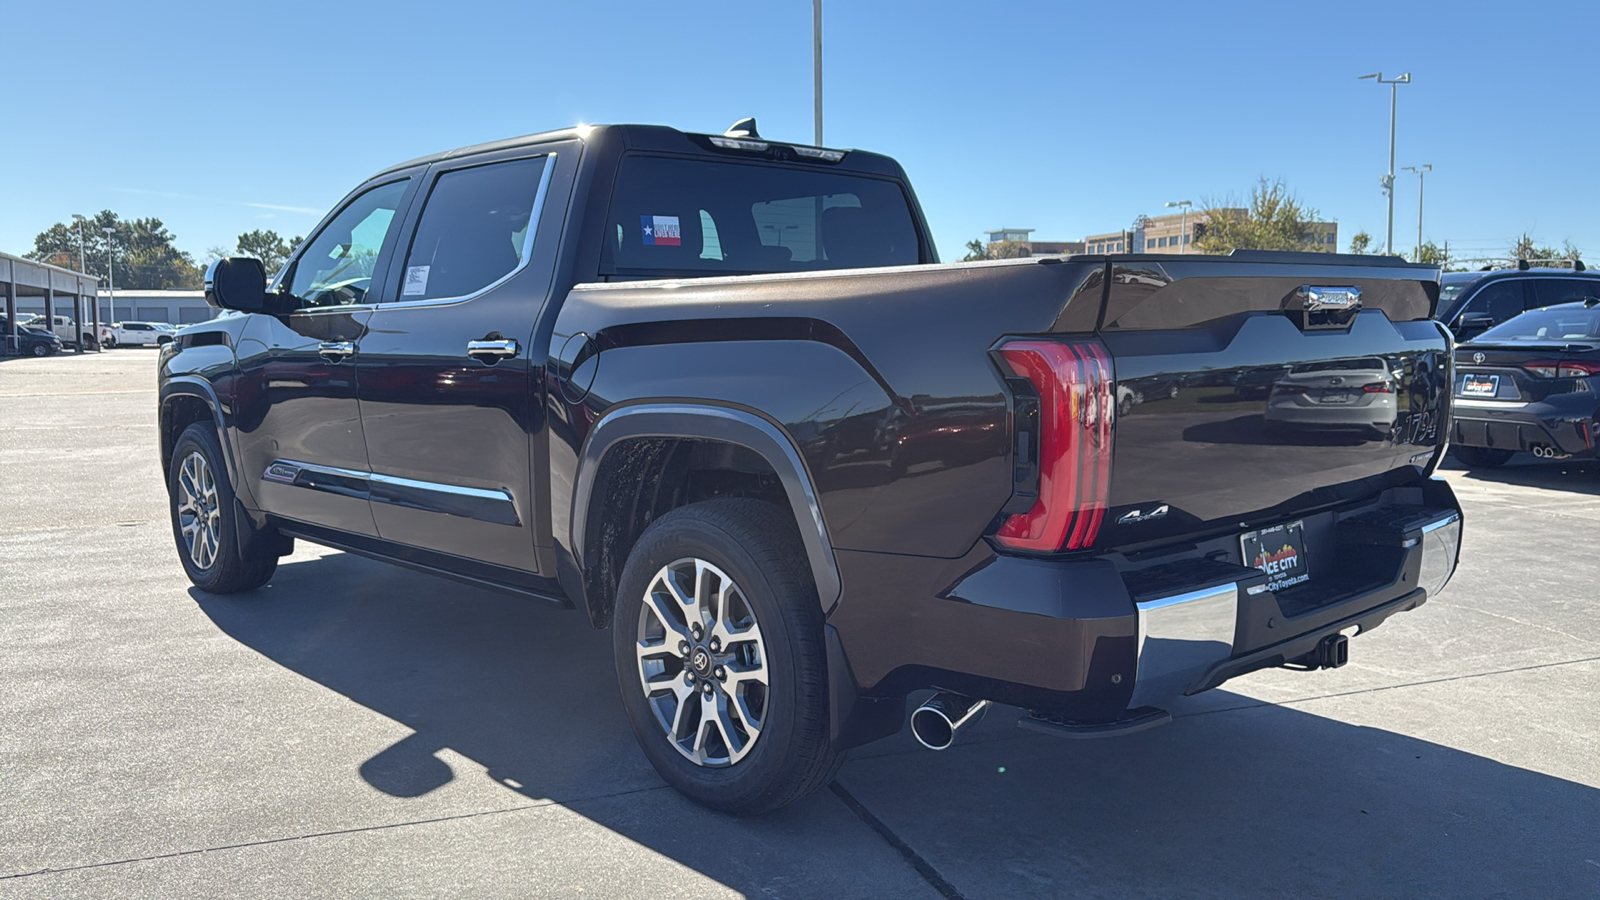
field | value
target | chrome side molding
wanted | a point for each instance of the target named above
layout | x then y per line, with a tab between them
484	504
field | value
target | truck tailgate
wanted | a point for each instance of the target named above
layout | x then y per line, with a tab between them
1251	392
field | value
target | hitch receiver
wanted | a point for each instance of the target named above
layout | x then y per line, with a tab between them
1332	652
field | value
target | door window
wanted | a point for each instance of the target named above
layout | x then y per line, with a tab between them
337	265
1501	300
476	229
1550	291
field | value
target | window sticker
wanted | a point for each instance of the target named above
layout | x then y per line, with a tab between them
416	282
661	231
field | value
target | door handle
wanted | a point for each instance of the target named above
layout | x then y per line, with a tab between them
336	351
492	351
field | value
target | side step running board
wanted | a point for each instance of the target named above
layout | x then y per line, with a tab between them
1055	725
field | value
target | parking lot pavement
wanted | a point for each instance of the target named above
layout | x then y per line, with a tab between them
355	729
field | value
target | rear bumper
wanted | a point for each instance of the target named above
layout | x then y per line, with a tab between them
1525	428
1092	640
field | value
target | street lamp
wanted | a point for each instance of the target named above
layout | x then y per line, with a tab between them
1422	173
1388	180
816	63
111	280
1183	241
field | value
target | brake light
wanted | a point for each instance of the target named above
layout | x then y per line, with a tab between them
1075	386
1570	369
1378	387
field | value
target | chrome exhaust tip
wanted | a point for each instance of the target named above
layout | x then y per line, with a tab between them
936	723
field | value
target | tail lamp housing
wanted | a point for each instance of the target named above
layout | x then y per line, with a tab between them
1562	369
1076	412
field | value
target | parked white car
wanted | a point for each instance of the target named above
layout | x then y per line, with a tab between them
139	334
62	326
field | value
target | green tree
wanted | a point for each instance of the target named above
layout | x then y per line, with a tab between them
1274	220
1008	250
1526	248
141	250
273	251
976	251
1432	254
1361	242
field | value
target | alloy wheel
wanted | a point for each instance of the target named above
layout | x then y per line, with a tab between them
199	511
702	663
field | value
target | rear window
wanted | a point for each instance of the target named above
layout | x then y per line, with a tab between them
702	217
1563	324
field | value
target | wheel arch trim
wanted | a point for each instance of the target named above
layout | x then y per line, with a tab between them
191	386
705	421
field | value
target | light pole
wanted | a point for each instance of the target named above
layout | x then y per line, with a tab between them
816	63
1183	240
1422	174
111	279
1388	180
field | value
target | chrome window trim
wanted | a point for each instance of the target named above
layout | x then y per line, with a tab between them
527	241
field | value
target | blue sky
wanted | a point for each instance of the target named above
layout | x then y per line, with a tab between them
1066	118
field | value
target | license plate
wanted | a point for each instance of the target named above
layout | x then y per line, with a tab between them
1480	385
1280	552
1338	396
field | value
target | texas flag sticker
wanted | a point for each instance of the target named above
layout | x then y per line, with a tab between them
661	231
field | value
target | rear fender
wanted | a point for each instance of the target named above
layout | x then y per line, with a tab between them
711	423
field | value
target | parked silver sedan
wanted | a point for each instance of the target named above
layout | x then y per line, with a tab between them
1341	393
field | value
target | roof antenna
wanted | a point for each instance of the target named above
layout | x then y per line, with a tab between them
744	128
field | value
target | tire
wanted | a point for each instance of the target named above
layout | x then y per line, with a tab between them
39	350
1481	457
752	546
201	497
110	342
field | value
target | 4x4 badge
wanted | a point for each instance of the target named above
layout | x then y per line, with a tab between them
1132	516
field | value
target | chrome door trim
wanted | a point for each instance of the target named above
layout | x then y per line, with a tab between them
491	505
504	348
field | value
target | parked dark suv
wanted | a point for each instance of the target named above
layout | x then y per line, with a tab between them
1471	303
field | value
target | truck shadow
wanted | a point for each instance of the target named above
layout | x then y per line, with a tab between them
1266	799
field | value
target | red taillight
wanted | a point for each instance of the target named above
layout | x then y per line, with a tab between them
1579	369
1378	387
1542	368
1074	383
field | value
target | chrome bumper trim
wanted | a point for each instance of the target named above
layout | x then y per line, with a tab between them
1441	547
1179	638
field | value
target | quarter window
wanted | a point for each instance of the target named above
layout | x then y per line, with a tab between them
1550	291
476	228
337	265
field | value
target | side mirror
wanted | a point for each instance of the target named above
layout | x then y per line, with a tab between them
239	283
1475	323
